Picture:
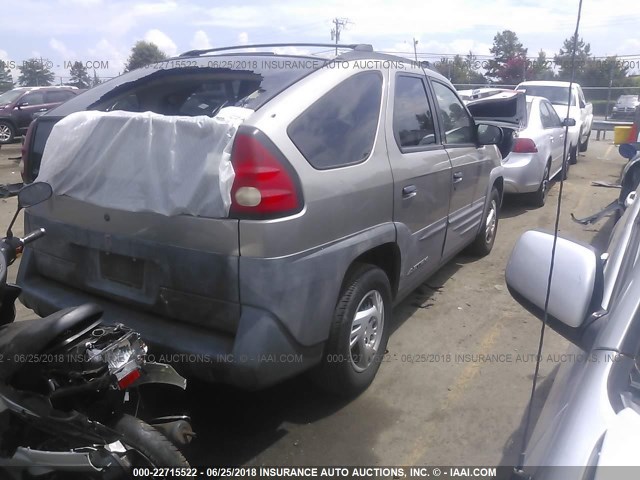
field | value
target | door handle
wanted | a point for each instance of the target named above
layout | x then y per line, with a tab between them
409	191
457	177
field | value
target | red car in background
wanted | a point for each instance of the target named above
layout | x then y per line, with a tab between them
18	107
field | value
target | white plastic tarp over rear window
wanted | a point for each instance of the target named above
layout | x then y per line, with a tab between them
145	162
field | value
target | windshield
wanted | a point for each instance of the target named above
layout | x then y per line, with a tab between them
556	95
628	99
10	96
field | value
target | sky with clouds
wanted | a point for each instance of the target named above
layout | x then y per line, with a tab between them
105	30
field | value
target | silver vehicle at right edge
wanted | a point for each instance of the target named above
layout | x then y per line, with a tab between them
589	427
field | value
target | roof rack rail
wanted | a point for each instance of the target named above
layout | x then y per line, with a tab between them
361	47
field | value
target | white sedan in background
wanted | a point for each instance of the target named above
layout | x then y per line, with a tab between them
533	144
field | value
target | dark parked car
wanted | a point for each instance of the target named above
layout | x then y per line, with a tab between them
625	106
18	106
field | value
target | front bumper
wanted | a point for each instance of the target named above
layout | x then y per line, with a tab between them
260	354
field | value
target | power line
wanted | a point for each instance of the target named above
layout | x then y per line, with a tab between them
340	24
431	54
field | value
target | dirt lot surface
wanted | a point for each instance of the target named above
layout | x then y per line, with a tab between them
459	369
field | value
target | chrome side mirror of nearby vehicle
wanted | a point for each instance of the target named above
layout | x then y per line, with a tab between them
489	134
569	122
576	287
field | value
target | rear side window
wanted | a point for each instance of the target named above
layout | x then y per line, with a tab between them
55	97
548	116
412	117
33	98
339	129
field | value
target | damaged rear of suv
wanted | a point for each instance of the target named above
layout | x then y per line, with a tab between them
273	231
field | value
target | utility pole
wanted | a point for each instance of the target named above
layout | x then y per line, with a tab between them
415	52
606	111
340	24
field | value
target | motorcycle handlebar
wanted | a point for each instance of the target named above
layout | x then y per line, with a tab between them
33	236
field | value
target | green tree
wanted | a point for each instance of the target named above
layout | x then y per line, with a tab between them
604	73
143	54
475	77
540	69
506	47
563	58
460	70
35	72
79	76
6	80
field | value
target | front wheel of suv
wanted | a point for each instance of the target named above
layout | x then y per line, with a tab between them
483	242
359	333
6	133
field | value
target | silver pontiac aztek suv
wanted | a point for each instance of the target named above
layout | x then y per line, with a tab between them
355	179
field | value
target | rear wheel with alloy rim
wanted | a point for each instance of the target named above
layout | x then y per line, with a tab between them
359	333
540	196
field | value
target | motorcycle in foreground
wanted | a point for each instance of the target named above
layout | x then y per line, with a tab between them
71	388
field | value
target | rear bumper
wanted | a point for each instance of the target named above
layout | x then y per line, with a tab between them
260	354
522	173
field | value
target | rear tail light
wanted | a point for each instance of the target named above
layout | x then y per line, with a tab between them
26	146
524	145
265	185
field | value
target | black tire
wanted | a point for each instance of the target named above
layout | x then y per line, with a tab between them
584	145
483	243
573	155
151	443
7	132
539	197
564	173
347	371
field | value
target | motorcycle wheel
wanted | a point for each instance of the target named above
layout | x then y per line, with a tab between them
150	443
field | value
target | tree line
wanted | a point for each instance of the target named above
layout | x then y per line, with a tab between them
509	65
36	72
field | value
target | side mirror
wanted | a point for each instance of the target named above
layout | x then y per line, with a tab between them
569	122
28	196
489	134
34	193
22	104
576	286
